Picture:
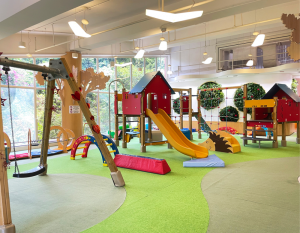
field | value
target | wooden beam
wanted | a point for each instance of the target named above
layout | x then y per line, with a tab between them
5	213
220	88
190	114
275	124
180	89
149	119
47	124
124	143
181	110
283	140
253	128
155	143
142	124
116	121
245	115
199	114
298	133
115	173
266	103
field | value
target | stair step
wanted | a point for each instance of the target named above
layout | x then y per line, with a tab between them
229	139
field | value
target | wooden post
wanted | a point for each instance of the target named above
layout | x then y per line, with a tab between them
47	124
149	119
269	133
245	116
124	143
5	213
298	133
190	114
181	110
199	113
275	124
283	140
253	128
69	120
115	173
142	124
116	120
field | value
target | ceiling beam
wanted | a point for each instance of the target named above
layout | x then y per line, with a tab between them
36	13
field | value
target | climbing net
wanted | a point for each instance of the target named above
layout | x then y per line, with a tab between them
208	115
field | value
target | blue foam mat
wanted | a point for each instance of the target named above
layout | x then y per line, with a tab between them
50	152
210	161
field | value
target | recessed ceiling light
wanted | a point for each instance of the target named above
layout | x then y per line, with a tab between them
173	18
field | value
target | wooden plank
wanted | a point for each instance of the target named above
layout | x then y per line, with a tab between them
283	140
155	143
87	114
199	114
5	213
245	114
47	125
268	103
220	88
190	114
275	124
253	128
124	142
298	133
142	124
181	110
116	123
149	119
180	89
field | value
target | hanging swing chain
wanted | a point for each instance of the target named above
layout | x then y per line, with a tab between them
43	140
6	69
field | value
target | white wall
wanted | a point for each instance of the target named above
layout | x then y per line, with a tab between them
265	80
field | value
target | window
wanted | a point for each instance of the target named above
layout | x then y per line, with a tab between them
123	73
137	70
89	62
104	66
161	65
150	64
92	99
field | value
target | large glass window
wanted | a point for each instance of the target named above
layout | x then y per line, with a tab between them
19	77
89	62
123	73
107	69
104	113
161	64
150	64
137	70
22	107
92	99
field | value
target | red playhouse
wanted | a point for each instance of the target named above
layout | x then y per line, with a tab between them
151	92
279	107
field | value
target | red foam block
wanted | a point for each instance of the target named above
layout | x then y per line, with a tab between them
140	163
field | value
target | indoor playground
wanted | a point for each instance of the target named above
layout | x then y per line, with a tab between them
150	116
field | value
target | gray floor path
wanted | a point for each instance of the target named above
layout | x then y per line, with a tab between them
62	202
256	196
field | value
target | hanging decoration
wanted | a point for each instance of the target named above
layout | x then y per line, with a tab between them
211	99
254	92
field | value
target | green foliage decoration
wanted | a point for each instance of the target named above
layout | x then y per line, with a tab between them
211	99
294	86
254	92
176	105
231	113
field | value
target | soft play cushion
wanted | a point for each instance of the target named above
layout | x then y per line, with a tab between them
19	156
141	163
210	161
50	152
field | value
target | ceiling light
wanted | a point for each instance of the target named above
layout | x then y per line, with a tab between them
136	48
75	55
28	55
205	53
124	64
22	45
250	63
78	31
140	54
250	55
173	18
208	60
255	33
112	63
85	21
115	57
259	40
169	72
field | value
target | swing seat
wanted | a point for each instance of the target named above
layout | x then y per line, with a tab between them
32	172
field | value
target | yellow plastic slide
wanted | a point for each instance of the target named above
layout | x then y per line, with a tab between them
175	137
